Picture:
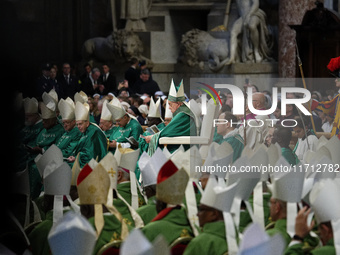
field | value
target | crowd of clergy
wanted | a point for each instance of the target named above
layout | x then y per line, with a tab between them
109	185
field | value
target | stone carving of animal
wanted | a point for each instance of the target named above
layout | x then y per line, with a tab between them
120	46
199	46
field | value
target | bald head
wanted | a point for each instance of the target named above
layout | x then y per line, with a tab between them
259	100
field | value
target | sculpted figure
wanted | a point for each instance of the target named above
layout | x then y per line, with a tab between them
134	11
249	36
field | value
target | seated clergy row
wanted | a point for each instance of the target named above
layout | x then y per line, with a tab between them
169	204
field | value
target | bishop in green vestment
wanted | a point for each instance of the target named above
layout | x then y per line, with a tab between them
92	143
182	124
226	130
124	189
71	136
212	240
171	221
283	136
110	232
50	134
127	127
69	140
33	123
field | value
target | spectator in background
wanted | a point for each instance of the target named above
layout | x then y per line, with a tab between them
43	83
328	124
55	85
307	140
91	84
132	75
145	85
87	72
69	83
123	84
107	81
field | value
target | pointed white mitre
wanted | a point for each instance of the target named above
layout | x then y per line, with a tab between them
325	200
256	241
67	109
82	111
287	186
30	105
219	155
109	163
246	181
48	108
72	234
168	113
155	108
150	167
57	178
50	101
333	145
218	197
136	244
106	114
126	158
80	97
174	94
52	153
116	109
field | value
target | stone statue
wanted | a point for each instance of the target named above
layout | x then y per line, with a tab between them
134	11
120	46
250	40
199	46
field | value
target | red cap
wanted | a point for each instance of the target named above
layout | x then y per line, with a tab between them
167	170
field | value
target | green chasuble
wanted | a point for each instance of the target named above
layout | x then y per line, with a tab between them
290	156
111	231
132	128
148	212
109	132
28	134
144	146
38	236
68	141
47	137
125	191
296	249
92	144
182	124
236	143
173	225
211	241
281	228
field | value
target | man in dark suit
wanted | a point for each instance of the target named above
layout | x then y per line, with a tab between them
68	82
107	81
132	75
92	84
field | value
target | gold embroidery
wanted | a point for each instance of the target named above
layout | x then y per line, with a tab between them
92	189
184	233
111	172
114	237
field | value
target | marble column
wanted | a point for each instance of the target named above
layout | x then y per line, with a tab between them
291	12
